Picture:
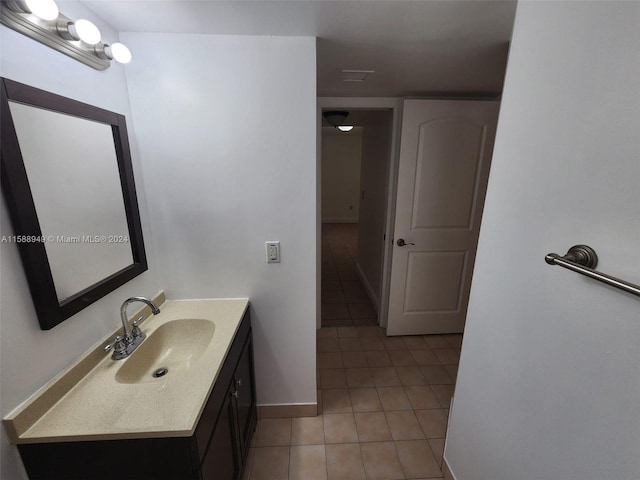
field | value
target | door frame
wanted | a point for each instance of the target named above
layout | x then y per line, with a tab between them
362	103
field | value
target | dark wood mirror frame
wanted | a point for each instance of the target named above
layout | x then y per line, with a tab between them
22	210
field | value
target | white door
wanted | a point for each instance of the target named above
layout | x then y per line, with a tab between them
445	155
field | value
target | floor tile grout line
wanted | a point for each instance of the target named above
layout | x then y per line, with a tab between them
395	449
344	245
364	468
421	383
440	408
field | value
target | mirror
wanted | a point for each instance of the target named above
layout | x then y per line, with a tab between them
68	183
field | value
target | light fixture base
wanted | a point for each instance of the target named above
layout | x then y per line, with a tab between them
335	117
45	32
101	51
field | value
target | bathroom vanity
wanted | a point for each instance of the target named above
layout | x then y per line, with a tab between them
128	419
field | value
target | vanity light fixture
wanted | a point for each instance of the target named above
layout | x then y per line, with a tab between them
336	118
44	9
79	30
79	39
116	51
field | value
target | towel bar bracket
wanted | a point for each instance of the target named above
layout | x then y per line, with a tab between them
581	254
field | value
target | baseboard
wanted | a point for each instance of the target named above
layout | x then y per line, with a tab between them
446	471
367	286
287	411
340	220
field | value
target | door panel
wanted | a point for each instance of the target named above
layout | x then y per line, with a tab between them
445	154
446	173
440	273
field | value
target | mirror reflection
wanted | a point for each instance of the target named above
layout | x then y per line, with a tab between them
73	173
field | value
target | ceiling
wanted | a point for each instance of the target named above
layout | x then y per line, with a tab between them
418	47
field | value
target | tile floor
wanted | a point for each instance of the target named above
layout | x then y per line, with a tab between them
344	299
383	405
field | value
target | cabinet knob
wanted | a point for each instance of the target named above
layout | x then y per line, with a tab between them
235	394
239	382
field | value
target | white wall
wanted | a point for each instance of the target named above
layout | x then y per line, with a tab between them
548	385
30	357
341	154
374	182
226	131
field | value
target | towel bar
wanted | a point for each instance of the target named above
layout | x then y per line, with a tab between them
582	259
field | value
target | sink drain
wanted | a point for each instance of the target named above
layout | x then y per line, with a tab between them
161	372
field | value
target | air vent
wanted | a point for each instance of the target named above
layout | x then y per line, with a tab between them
356	75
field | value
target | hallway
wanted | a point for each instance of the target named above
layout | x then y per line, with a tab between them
344	298
383	404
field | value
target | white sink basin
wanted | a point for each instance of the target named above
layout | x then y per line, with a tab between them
174	346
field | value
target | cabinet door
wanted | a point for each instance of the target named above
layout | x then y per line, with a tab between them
246	397
220	462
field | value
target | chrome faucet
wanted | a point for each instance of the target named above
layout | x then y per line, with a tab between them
133	337
128	337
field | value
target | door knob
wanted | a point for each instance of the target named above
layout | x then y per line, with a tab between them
402	243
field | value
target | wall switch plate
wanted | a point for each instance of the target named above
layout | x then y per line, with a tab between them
273	252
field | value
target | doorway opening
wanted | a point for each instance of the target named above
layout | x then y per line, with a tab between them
355	169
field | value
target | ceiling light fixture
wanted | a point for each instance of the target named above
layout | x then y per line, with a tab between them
80	39
337	118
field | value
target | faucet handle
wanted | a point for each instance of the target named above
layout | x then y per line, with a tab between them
118	345
135	331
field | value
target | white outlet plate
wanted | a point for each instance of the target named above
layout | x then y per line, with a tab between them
273	252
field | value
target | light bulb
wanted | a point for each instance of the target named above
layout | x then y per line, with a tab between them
345	128
119	52
86	31
44	9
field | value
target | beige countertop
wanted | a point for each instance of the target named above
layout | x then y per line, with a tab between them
87	402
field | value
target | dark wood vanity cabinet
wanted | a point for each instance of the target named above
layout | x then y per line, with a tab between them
220	461
216	451
228	445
